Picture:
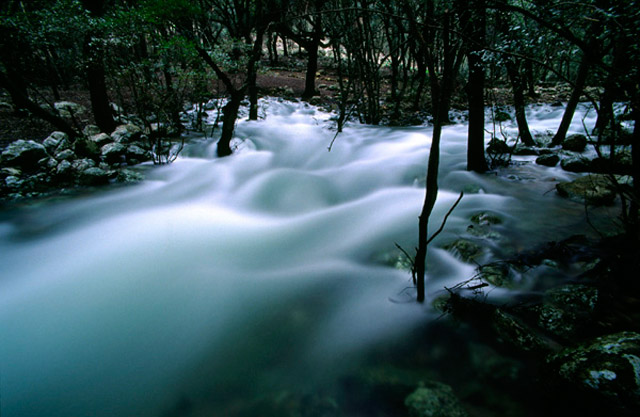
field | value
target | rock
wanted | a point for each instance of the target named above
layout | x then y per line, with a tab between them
483	230
66	155
549	160
512	331
127	176
525	150
81	165
608	366
485	218
465	249
568	309
135	154
113	153
594	189
126	133
48	163
24	154
64	170
100	139
54	140
69	108
93	176
10	172
90	130
497	274
575	165
575	143
434	400
13	182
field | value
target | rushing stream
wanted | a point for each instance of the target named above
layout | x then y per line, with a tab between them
222	280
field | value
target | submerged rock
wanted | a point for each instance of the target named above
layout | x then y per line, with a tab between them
550	160
465	249
497	274
608	366
434	400
593	189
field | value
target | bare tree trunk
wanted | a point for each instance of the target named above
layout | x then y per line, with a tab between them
581	79
517	86
230	115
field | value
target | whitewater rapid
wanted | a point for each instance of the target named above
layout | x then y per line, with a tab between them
219	279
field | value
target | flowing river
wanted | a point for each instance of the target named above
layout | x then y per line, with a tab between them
217	281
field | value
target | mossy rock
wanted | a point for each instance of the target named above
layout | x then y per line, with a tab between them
567	309
465	249
485	218
549	160
497	274
608	366
593	189
434	399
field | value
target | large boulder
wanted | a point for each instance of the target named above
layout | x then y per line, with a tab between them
606	367
434	400
576	164
549	160
594	189
113	153
575	143
24	154
135	154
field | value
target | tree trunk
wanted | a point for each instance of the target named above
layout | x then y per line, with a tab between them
427	208
230	115
474	19
476	160
581	79
517	86
312	69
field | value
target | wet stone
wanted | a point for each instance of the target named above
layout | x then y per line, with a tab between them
608	366
465	249
548	160
434	399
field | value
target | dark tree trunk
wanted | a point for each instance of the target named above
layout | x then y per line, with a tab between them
581	79
96	74
517	86
473	16
476	160
312	69
230	115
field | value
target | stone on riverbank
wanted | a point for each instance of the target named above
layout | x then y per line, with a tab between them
594	189
24	154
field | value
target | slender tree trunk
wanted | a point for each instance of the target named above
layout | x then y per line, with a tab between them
517	86
581	79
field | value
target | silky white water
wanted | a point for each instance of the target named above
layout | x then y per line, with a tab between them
220	280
